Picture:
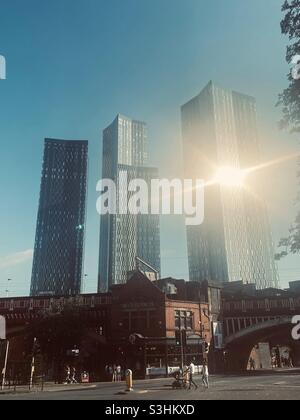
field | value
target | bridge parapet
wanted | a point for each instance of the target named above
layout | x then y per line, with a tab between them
276	305
33	304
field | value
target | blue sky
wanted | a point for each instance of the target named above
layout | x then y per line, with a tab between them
72	65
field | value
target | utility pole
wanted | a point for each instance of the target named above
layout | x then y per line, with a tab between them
181	341
7	290
182	350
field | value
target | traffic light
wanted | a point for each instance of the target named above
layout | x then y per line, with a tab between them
75	352
206	346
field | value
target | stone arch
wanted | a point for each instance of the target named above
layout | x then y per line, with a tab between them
240	345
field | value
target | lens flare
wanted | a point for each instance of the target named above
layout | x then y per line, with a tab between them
230	176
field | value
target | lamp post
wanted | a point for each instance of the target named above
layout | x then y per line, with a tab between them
84	283
7	290
181	341
182	348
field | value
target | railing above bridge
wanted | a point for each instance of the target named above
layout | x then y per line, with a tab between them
276	305
249	312
32	304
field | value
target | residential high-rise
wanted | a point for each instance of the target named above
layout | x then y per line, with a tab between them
220	142
59	243
123	237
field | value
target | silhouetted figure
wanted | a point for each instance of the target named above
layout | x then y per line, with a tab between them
252	364
205	375
73	378
68	374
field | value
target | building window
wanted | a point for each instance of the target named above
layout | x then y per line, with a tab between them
184	320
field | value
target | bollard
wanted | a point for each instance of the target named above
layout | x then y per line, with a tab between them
129	381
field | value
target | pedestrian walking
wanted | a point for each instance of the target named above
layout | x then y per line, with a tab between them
68	374
191	371
252	364
119	373
114	373
73	377
205	375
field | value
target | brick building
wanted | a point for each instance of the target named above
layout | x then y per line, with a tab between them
138	322
146	315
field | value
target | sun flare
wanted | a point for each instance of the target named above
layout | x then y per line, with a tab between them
230	176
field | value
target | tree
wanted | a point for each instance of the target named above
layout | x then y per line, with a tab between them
290	102
58	331
67	334
290	98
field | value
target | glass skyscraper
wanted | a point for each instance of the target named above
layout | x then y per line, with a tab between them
123	237
234	243
59	243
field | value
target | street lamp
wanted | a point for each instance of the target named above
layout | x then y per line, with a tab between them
84	283
181	340
7	290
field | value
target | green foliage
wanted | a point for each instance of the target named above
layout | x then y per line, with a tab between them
290	98
290	102
59	330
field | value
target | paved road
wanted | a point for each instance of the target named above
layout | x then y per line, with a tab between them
260	387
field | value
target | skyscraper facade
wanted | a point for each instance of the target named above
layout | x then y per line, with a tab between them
123	237
59	243
234	243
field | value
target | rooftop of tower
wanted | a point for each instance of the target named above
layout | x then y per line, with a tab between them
213	85
61	141
124	117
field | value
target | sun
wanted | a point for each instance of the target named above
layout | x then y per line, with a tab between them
230	176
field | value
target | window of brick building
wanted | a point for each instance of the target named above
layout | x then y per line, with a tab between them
184	320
